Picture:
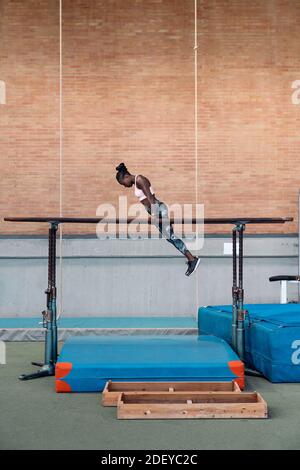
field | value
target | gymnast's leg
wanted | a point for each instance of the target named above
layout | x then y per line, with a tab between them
166	229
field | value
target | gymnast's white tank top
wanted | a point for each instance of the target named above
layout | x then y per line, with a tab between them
139	193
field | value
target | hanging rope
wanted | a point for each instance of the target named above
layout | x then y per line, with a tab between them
60	307
61	146
196	96
196	128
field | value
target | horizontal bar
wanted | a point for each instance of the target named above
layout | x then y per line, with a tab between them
149	257
83	220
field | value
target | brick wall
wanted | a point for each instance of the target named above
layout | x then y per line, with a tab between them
129	96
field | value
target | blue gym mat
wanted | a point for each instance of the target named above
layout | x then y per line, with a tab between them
102	322
31	329
272	336
86	363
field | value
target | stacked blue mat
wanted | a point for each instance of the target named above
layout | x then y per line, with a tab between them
272	337
86	363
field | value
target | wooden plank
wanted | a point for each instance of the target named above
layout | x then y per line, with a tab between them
182	397
198	405
112	390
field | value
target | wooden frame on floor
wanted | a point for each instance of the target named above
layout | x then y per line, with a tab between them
113	390
191	405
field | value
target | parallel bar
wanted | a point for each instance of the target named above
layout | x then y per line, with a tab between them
217	220
237	290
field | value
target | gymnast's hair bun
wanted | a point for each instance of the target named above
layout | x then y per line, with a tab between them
122	168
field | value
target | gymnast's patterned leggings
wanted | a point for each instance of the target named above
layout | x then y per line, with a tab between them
166	229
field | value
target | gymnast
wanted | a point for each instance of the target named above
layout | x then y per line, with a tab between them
157	209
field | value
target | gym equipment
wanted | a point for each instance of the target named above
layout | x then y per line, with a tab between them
191	405
31	328
272	337
113	390
86	363
284	280
50	317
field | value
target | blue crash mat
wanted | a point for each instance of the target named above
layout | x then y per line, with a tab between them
87	363
272	336
279	314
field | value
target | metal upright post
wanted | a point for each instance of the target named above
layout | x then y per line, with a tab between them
299	244
240	332
54	296
234	290
49	315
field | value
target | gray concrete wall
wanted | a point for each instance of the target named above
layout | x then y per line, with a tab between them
138	278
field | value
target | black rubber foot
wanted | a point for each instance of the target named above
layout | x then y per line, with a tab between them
253	373
38	364
48	371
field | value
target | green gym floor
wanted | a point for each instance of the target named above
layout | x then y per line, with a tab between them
33	416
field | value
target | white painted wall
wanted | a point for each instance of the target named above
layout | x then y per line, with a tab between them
138	278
